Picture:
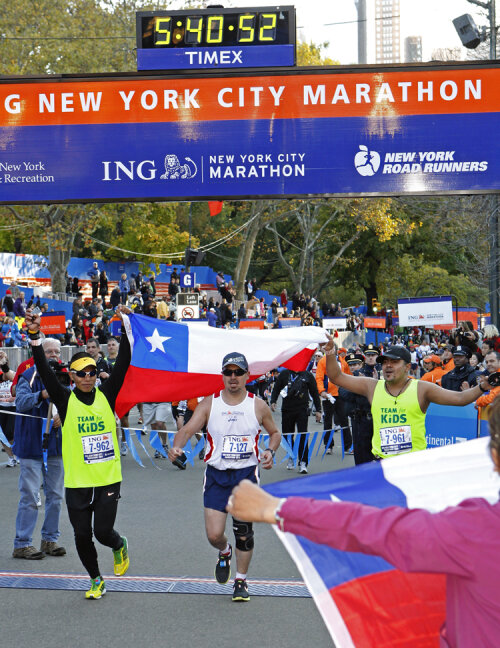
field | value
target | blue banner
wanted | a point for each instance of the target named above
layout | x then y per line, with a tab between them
447	425
194	58
297	133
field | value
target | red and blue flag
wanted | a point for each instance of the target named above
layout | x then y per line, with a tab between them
173	361
364	600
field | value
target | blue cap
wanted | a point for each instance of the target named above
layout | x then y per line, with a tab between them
237	359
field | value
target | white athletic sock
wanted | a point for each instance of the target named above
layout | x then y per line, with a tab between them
227	550
240	576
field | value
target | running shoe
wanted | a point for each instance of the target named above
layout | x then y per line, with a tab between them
158	454
290	465
223	567
121	559
240	590
97	589
303	468
329	451
123	449
11	463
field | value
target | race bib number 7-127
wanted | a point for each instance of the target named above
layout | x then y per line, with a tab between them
236	447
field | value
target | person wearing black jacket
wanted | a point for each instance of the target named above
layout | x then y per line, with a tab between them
358	409
463	376
103	286
8	303
295	388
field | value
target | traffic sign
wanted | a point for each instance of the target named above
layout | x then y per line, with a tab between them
187	279
188	305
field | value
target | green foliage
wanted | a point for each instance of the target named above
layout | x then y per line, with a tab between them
142	231
412	276
311	54
70	36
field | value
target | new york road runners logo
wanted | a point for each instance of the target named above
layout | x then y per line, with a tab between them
366	162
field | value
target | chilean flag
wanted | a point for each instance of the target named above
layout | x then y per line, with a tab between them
173	361
365	601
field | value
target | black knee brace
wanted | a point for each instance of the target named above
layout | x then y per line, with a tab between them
243	534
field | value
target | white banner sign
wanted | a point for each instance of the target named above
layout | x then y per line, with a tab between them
338	323
425	311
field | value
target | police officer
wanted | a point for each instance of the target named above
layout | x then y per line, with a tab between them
295	389
463	375
359	410
371	367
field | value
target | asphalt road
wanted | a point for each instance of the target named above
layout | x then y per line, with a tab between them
161	514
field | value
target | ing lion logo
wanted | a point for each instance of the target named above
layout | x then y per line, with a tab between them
175	170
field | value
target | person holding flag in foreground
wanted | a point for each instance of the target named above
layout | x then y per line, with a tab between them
90	451
234	418
398	402
459	541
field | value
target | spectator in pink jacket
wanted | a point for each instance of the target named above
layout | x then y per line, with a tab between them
461	542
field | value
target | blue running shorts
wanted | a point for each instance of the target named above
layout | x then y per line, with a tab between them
218	484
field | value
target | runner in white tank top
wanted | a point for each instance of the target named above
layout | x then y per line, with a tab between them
232	434
234	419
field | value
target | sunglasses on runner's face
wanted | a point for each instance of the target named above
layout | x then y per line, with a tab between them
84	374
236	372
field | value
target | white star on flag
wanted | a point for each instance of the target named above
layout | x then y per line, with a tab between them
156	341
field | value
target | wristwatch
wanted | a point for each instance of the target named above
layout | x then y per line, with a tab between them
273	452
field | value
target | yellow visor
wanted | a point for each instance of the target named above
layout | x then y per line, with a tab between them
80	363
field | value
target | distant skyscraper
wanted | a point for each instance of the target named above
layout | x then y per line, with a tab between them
413	49
387	31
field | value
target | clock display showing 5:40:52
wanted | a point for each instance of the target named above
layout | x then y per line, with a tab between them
216	27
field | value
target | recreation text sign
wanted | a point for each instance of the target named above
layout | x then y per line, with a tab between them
307	132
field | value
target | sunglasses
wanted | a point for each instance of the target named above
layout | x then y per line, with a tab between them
84	374
236	372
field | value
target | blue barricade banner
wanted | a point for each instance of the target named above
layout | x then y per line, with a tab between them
289	322
446	425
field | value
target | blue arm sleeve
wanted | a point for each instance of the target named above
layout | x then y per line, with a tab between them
26	400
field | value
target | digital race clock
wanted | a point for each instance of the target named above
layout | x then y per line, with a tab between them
213	38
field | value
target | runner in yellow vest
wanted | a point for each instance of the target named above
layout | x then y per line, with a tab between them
398	402
90	451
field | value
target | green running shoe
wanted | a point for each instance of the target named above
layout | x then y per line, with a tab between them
97	589
121	559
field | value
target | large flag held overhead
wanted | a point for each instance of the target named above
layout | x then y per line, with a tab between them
364	601
173	361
